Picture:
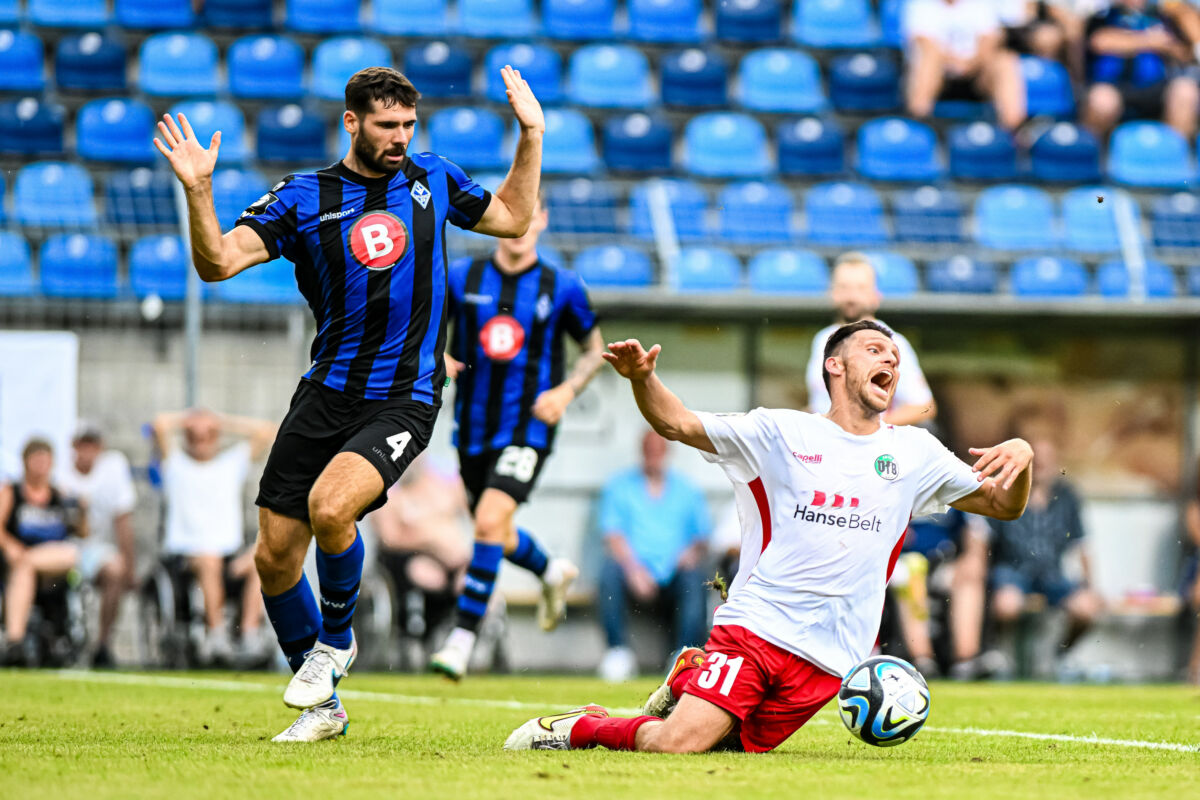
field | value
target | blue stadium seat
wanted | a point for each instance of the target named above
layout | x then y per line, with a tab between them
89	62
1015	217
409	17
609	76
273	283
834	23
79	265
576	20
1192	281
610	266
289	133
10	12
749	21
895	274
583	207
16	266
688	209
469	137
323	16
725	145
1150	154
637	143
235	190
961	274
154	14
1066	153
50	194
238	14
927	214
117	129
980	151
208	117
1049	277
1047	88
811	147
30	127
844	214
68	13
891	22
539	65
664	20
141	197
266	68
500	19
569	144
781	79
438	69
178	65
335	60
3	196
693	78
1175	221
21	65
755	212
864	82
1091	227
788	272
1113	280
898	149
158	265
707	269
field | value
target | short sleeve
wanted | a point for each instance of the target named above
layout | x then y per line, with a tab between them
612	512
456	283
273	217
913	389
742	442
945	478
468	200
578	318
124	494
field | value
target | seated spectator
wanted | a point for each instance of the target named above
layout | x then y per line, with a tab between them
955	52
203	492
1191	584
1034	28
1135	62
655	524
101	479
36	523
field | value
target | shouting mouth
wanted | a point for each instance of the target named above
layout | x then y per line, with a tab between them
881	383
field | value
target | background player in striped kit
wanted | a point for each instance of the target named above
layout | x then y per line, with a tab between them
510	314
366	237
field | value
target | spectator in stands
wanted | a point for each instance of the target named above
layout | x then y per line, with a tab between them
1035	28
36	523
956	52
655	524
102	480
1191	584
203	489
1135	64
855	297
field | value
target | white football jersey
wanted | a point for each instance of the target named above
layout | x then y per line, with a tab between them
911	390
823	514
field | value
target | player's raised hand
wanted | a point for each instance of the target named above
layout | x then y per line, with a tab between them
631	360
524	104
1003	462
192	161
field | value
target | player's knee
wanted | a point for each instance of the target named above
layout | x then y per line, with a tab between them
325	513
1007	604
273	564
1104	101
491	525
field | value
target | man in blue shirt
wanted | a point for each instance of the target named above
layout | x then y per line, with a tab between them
366	237
655	524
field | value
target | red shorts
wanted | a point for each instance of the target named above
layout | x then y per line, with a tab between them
771	691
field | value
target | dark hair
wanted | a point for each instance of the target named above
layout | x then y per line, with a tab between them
36	445
384	84
836	339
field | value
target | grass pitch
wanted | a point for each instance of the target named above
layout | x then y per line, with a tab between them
176	736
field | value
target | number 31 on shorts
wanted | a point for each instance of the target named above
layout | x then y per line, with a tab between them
714	665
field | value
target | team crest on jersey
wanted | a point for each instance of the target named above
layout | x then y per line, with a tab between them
502	338
378	240
885	467
420	194
544	306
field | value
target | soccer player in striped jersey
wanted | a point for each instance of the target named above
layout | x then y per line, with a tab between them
366	237
511	313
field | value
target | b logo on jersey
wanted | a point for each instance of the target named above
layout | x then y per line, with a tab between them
885	467
378	240
502	338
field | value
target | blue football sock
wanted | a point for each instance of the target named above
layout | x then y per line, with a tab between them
529	553
340	575
480	581
296	619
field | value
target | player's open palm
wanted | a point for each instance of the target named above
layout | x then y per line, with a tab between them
191	161
521	98
631	360
1003	462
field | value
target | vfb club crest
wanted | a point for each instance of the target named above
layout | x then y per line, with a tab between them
885	467
378	240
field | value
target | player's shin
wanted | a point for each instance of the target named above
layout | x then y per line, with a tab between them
340	575
480	581
528	554
296	619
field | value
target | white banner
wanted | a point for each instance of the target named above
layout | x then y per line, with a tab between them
39	376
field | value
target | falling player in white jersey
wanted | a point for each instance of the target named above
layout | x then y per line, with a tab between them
824	502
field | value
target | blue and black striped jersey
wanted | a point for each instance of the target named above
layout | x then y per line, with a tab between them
371	262
508	331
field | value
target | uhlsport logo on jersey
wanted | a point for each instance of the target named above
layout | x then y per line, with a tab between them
502	338
885	467
378	240
838	511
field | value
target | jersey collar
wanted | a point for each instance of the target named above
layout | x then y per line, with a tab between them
341	170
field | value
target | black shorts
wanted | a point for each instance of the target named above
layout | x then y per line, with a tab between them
513	470
1143	102
323	422
961	89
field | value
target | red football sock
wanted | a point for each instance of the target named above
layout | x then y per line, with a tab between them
615	733
681	681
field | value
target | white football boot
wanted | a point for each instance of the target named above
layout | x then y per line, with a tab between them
552	603
318	676
455	654
552	732
326	721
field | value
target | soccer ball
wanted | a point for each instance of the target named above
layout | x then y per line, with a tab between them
884	701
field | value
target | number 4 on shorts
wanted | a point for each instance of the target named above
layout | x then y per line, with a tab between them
399	441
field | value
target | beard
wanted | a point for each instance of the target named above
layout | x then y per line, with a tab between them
368	158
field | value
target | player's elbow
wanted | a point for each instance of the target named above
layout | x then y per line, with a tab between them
1008	513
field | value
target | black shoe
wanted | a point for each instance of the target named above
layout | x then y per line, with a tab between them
102	658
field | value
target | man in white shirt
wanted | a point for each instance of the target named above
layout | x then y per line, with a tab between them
856	296
101	478
825	501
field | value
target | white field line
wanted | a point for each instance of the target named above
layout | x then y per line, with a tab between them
211	684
